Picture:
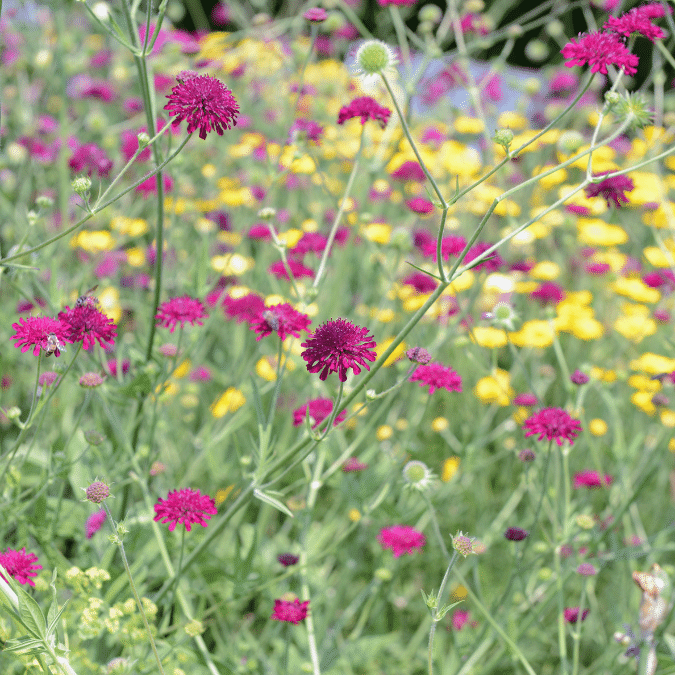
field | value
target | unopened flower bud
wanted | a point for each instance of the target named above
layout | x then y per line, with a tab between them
81	185
431	14
97	492
503	137
374	57
143	139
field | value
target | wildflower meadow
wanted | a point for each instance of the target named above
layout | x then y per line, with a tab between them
335	343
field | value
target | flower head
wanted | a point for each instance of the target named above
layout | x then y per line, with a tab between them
599	50
97	492
40	332
553	424
437	376
293	612
205	102
401	539
367	109
611	189
315	14
281	319
515	533
637	20
319	409
19	565
86	323
418	476
185	507
591	479
463	544
95	523
337	346
353	464
571	614
374	57
578	378
180	311
288	559
245	308
418	355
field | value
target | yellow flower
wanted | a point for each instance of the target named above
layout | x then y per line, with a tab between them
668	418
546	270
495	388
232	264
653	364
662	216
183	369
636	327
468	125
229	401
658	258
511	120
384	432
596	232
489	337
550	181
354	515
395	355
458	159
136	256
535	333
93	241
643	400
380	233
649	188
597	427
635	289
133	227
439	424
109	303
450	468
643	383
222	494
602	374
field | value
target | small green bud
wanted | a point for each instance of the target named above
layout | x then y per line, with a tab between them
635	106
537	50
514	30
81	185
143	139
612	98
44	202
555	28
13	413
267	213
503	137
383	574
570	142
431	14
374	57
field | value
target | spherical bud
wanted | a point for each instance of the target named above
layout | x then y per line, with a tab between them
537	51
503	137
81	185
634	107
267	213
474	6
93	437
462	544
612	98
12	413
374	57
334	22
527	455
570	142
431	14
515	534
400	240
585	522
44	202
417	475
91	380
383	574
514	30
532	86
371	394
555	28
418	355
143	139
97	492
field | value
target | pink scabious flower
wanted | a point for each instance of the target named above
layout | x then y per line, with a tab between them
337	346
452	245
409	170
525	399
180	311
612	189
185	507
19	565
86	323
298	270
491	264
205	102
460	618
553	424
591	479
474	23
353	464
291	612
401	539
89	158
310	241
40	332
246	308
95	523
571	614
367	109
319	410
420	205
637	20
548	293
516	534
599	50
149	185
437	376
288	559
307	128
422	283
315	14
281	319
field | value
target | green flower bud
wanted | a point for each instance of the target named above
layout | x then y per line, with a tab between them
81	185
431	14
374	57
503	137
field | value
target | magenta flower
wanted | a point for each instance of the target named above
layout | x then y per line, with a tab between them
612	189
401	539
337	346
409	170
19	565
420	205
579	378
599	50
367	109
185	507
246	308
450	246
292	612
571	614
437	376
525	399
400	3
418	355
298	270
180	311
315	14
637	20
353	464
89	158
515	534
319	410
492	263
87	324
288	559
205	102
422	283
95	523
553	424
40	332
548	293
307	128
460	618
591	479
281	319
310	241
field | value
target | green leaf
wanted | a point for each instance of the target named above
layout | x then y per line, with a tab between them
263	497
52	614
141	385
25	645
31	615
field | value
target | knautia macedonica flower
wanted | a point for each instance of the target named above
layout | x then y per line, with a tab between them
40	332
94	523
638	20
337	346
515	533
373	58
185	507
591	479
553	424
282	319
463	544
319	409
86	323
367	109
571	614
290	611
180	311
418	476
599	50
243	308
612	190
288	559
205	102
19	565
97	492
401	539
437	376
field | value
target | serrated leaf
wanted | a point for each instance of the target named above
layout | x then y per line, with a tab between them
263	497
31	615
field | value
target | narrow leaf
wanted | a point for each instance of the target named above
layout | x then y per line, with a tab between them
272	502
31	615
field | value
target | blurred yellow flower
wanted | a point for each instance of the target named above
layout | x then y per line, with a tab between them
596	232
380	233
495	388
653	364
668	418
439	424
635	289
93	241
489	337
546	270
384	432
535	333
510	119
643	401
635	327
597	427
229	401
183	369
395	355
222	494
468	125
354	515
450	468
602	374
